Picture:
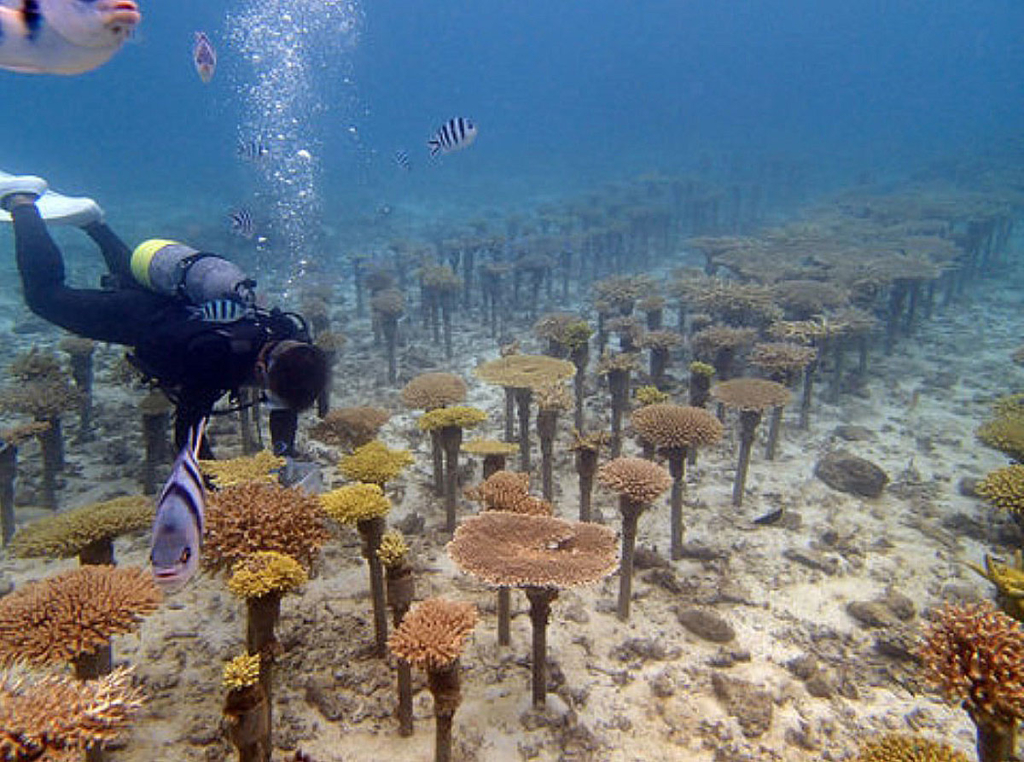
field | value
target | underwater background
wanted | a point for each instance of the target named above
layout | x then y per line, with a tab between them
567	95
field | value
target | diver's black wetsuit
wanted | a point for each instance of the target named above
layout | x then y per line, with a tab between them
196	361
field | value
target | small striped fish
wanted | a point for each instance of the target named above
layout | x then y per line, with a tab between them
402	160
221	311
242	223
252	150
454	135
178	527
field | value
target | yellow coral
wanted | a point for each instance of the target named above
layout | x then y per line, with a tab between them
66	534
393	548
355	502
250	468
241	672
462	416
650	395
374	462
906	748
702	368
1004	488
266	571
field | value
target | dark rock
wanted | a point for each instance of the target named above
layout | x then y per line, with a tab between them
813	559
730	658
645	558
664	578
968	486
901	643
750	705
963	525
706	624
643	649
803	667
697	552
412	524
900	605
819	686
853	433
871	613
849	473
6	585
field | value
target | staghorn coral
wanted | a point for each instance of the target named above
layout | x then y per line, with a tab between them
1004	488
68	533
432	390
375	463
433	634
73	614
260	467
975	654
350	426
253	516
55	718
241	672
355	502
908	748
264	572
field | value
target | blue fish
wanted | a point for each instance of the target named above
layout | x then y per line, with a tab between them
204	57
63	36
178	527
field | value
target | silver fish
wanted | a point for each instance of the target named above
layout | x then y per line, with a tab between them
178	527
454	135
204	57
63	36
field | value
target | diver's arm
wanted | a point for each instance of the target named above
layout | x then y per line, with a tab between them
115	252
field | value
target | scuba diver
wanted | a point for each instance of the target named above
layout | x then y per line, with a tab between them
189	317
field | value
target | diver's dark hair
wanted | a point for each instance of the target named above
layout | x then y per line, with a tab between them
298	374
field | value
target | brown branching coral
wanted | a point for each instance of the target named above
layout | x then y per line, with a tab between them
73	614
434	632
350	427
508	491
255	516
638	483
432	390
55	717
86	531
975	654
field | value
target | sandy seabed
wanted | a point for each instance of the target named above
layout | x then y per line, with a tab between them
808	680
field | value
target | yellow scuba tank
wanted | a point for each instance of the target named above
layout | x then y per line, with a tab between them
173	268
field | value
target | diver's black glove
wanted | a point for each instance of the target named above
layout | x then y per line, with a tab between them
283	426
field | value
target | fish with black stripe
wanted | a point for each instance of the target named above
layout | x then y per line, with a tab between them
221	311
180	518
63	36
454	135
242	223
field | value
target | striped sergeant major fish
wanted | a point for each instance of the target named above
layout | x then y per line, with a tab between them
401	158
252	150
242	223
63	36
178	527
454	135
221	311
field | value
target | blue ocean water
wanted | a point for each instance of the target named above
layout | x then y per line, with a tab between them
567	95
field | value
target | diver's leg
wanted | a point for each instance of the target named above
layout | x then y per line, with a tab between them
284	424
119	316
